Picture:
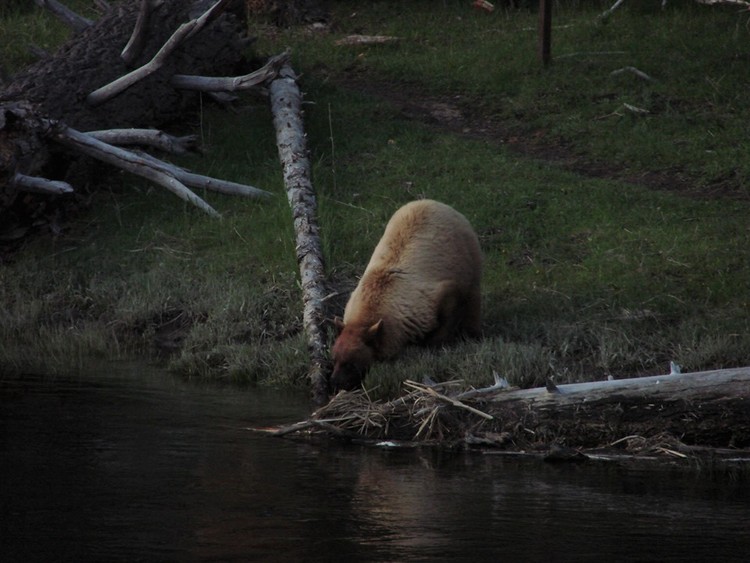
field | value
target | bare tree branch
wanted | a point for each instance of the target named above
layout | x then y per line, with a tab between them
126	160
207	183
604	15
40	185
631	69
147	137
184	32
138	38
232	84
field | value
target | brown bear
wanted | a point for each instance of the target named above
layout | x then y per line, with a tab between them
421	286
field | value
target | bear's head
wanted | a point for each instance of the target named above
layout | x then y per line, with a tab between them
353	353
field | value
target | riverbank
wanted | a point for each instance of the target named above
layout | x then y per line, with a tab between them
591	268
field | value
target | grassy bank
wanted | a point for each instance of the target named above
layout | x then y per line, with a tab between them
586	276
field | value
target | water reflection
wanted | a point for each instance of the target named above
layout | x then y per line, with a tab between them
130	464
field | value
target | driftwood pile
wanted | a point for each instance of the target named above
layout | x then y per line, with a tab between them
102	93
677	415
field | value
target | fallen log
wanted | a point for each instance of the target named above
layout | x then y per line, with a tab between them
683	413
709	408
286	106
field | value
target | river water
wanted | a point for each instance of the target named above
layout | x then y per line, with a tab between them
130	464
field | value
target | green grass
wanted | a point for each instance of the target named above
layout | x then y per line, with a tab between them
23	25
697	56
584	277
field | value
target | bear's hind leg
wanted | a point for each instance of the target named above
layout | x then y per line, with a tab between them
471	324
448	303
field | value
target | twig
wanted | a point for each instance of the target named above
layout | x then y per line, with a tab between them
267	72
633	70
742	3
604	15
184	32
591	54
451	400
350	40
668	451
296	427
625	439
635	109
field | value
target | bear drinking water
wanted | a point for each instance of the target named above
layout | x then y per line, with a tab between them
421	286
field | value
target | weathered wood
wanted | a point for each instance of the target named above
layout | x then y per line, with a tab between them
46	102
232	83
147	137
138	39
360	40
183	33
206	182
286	106
703	408
38	185
694	412
151	169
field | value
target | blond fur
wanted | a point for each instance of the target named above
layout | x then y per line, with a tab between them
423	280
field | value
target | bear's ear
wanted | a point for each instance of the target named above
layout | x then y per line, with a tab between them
373	333
338	323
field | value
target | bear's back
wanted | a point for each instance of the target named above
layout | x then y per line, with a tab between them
425	244
430	240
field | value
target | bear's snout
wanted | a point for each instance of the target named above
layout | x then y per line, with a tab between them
346	378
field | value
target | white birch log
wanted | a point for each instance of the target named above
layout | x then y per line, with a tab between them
286	106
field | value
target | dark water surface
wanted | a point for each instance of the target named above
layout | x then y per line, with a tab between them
130	464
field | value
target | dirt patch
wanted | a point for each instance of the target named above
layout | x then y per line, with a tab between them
460	115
